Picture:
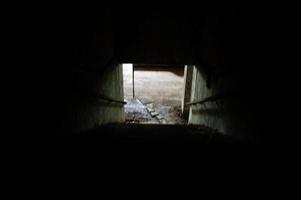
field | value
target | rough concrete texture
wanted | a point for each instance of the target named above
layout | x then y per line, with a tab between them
84	110
188	71
232	115
198	113
128	81
169	114
227	42
136	112
112	87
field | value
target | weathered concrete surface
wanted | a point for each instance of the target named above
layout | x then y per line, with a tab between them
170	114
234	114
82	110
188	71
224	40
87	69
198	114
112	87
136	112
128	81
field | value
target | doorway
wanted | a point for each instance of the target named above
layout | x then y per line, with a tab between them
153	93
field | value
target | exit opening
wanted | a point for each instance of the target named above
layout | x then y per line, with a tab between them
154	94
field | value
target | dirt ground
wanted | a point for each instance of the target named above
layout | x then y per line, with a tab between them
162	87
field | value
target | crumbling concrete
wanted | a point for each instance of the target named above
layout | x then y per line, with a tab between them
136	112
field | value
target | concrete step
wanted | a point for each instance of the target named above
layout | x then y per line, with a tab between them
154	114
163	121
159	117
150	109
153	133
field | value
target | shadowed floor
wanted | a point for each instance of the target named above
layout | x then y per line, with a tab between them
151	144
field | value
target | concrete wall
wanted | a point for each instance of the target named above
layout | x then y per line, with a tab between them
228	50
237	113
227	46
81	109
188	71
87	69
128	81
208	113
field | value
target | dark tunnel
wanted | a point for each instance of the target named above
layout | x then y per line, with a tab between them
217	46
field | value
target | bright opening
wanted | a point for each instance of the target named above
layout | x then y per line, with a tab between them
153	93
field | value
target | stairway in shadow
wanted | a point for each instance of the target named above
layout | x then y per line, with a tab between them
153	144
151	136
